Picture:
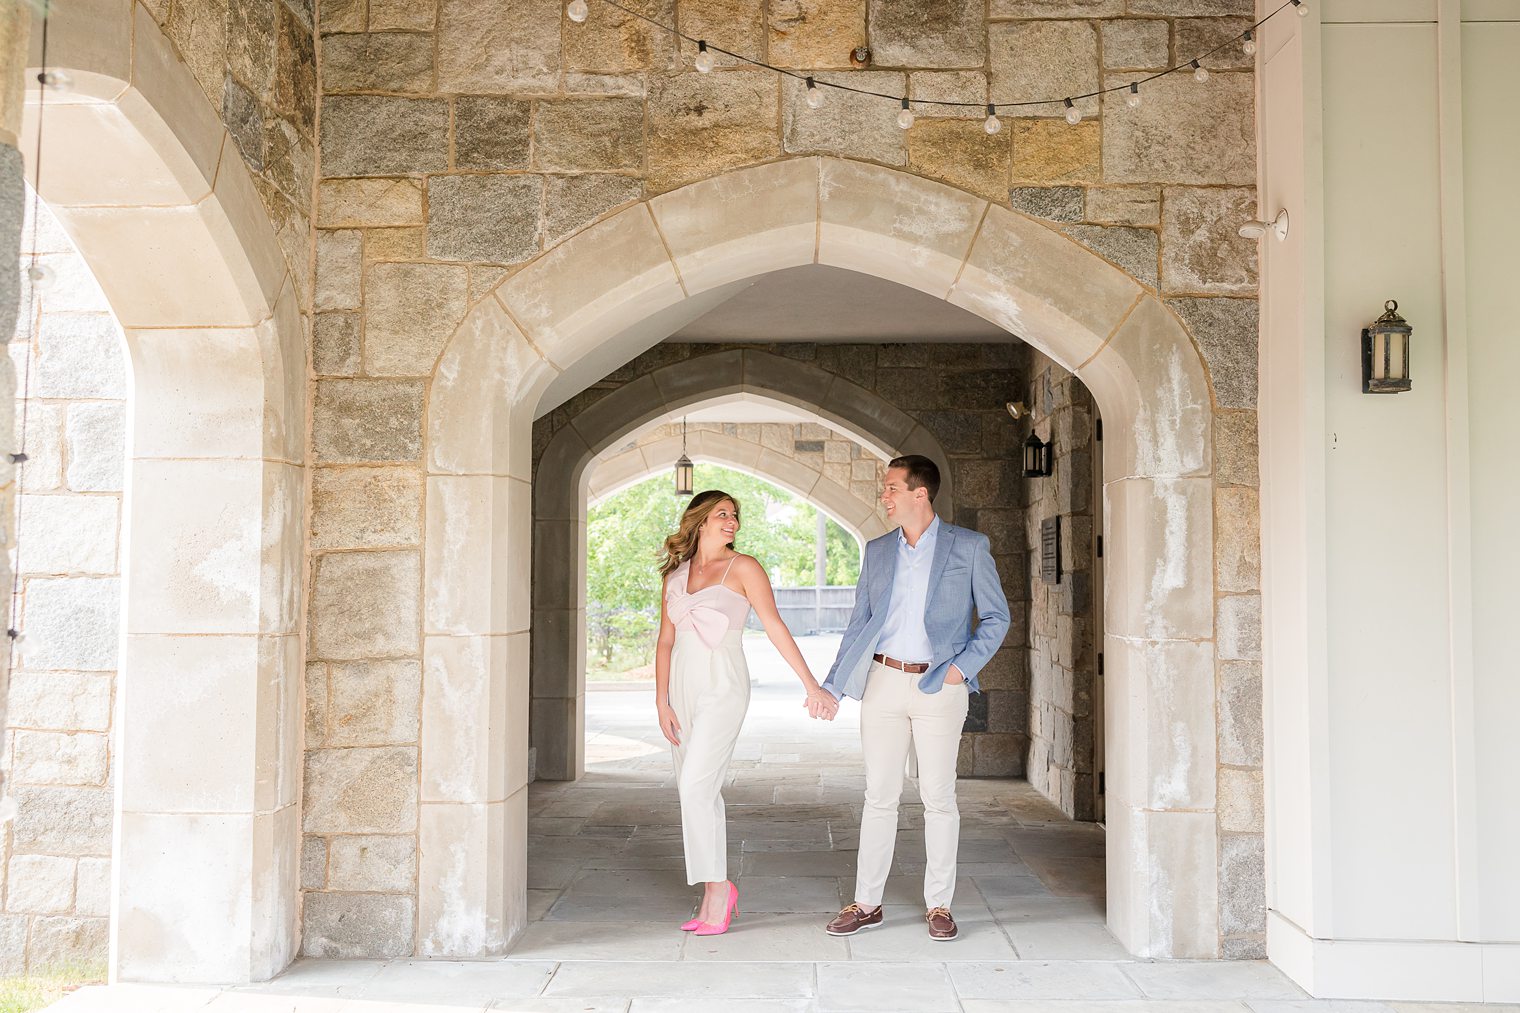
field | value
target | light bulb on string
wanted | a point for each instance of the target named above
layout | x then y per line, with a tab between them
814	94
1073	114
704	61
1301	8
992	124
55	80
905	117
1200	74
40	276
577	11
1248	43
1132	98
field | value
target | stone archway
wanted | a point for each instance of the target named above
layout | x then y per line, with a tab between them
582	300
559	504
207	760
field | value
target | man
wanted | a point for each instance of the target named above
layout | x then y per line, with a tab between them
911	657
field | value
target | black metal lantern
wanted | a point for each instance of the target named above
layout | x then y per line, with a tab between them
685	473
1037	457
1385	353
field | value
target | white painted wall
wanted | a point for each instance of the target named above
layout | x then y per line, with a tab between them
1388	132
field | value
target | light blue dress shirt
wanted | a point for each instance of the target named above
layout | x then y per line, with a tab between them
902	634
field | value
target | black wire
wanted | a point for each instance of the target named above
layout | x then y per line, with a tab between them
947	102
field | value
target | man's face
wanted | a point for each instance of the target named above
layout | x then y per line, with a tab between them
896	496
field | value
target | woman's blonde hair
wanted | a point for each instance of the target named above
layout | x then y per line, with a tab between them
682	545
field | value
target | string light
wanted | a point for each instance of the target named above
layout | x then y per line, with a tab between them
577	11
56	80
40	276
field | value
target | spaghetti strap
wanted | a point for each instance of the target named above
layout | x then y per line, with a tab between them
723	579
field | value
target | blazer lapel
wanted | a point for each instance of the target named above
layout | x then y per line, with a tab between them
941	557
885	564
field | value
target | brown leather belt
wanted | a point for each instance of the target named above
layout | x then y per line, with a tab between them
911	668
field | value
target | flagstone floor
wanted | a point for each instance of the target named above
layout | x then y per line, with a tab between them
607	890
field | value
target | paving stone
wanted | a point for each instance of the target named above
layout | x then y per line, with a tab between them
361	791
378	61
878	985
1226	333
589	134
1135	251
927	33
573	202
705	979
354	421
613	41
498	46
1135	44
340	270
373	703
816	34
1202	250
1129	205
491	132
494	219
354	203
1183	132
961	153
1237	543
365	605
378	135
1031	60
1053	151
850	125
71	623
1040	979
702	124
1211	979
412	310
335	344
350	925
1240	713
373	864
62	821
735	25
1053	203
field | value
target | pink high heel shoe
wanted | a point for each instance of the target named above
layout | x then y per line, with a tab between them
708	929
688	926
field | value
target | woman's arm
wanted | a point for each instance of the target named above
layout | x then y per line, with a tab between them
668	723
756	584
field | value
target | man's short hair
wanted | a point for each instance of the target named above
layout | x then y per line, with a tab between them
922	472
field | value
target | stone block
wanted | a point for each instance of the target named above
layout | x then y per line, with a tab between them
373	703
92	887
491	132
398	16
494	219
1183	131
1201	249
573	202
354	203
927	33
1240	713
357	925
1031	60
61	701
44	436
999	755
1226	332
60	943
1242	884
354	421
365	605
736	25
39	884
589	135
411	311
335	344
373	864
295	71
1053	203
851	125
75	758
313	863
1235	449
1237	547
1192	8
366	508
1241	808
1127	205
244	117
1054	8
931	86
69	534
961	153
380	135
13	944
498	47
1047	152
71	623
340	269
614	41
1135	251
1238	621
79	355
378	61
62	821
1136	44
816	34
703	124
1216	36
360	791
395	244
316	704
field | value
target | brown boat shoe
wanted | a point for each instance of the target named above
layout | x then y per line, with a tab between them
941	926
852	919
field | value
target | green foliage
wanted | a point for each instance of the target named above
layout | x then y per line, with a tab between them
624	534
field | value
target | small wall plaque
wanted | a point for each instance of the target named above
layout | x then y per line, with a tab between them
1050	550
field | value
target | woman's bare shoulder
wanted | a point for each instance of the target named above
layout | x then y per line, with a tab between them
747	564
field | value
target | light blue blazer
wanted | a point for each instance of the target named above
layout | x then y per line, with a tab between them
963	581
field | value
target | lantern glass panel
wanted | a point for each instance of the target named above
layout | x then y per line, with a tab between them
1379	354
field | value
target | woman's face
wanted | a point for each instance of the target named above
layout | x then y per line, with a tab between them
723	522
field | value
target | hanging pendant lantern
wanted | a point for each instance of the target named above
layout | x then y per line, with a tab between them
1037	463
1385	353
685	471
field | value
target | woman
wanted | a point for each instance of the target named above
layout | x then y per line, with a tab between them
702	683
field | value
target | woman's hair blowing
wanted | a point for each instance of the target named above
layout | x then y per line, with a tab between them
682	545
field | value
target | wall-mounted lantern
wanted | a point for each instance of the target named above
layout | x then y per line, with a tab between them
685	473
1037	457
1385	352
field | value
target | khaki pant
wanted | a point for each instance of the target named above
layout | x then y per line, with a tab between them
893	712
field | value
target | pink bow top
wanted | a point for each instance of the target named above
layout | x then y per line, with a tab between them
712	616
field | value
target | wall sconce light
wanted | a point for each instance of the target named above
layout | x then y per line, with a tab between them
1277	226
1385	352
1037	457
685	473
1017	409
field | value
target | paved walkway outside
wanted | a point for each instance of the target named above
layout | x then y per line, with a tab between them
607	890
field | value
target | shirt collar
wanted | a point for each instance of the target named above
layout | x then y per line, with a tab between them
927	538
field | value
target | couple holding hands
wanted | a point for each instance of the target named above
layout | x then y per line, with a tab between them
910	655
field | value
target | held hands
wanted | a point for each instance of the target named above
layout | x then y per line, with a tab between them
669	726
821	704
